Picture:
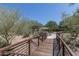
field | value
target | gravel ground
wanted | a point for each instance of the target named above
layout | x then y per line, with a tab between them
18	39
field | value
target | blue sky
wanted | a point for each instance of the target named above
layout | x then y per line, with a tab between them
42	12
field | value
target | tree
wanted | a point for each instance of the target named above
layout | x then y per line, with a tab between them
27	26
7	21
12	24
36	27
52	26
71	24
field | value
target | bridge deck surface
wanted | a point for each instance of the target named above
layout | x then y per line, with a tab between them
46	48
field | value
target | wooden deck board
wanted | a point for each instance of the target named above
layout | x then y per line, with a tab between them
45	49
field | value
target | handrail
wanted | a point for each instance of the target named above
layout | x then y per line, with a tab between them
27	41
19	43
23	41
63	46
67	47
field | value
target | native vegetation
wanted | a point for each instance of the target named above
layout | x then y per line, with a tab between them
12	24
70	26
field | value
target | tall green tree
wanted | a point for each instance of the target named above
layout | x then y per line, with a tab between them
52	26
70	21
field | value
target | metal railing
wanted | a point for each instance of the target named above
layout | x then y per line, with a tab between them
23	48
62	48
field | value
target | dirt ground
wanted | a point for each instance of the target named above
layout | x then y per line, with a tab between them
18	39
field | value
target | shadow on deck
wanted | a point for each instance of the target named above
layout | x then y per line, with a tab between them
45	49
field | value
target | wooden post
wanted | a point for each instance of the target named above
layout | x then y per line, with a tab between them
29	47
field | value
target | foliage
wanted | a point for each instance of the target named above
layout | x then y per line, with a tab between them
70	24
2	42
52	26
7	21
11	24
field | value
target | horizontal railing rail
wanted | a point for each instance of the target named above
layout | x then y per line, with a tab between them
24	48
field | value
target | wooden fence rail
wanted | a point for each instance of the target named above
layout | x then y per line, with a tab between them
63	48
23	48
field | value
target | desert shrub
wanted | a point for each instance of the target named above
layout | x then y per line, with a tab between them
67	37
77	44
3	42
26	35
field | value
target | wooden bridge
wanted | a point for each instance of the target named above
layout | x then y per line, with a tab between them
39	46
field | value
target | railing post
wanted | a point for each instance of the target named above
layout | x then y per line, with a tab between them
42	38
63	50
45	37
38	41
1	52
58	43
29	47
63	47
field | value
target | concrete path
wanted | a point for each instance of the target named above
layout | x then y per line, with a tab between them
52	36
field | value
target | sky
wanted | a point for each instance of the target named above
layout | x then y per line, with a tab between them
42	12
